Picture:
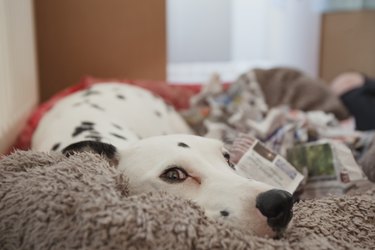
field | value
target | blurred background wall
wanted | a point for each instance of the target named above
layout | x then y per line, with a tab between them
348	43
320	37
18	68
188	40
276	32
199	31
114	38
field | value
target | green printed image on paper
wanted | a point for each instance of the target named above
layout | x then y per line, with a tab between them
317	158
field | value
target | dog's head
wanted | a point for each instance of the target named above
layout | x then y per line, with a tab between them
199	169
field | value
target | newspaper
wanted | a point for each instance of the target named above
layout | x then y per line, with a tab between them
330	167
262	164
326	160
274	120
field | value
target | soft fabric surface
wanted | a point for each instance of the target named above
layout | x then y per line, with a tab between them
48	201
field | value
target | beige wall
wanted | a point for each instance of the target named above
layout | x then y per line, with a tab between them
18	73
102	38
348	43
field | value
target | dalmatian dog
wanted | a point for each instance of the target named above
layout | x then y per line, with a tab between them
147	140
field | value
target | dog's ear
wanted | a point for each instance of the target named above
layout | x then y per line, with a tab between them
106	150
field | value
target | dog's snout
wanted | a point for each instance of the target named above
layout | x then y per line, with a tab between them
276	205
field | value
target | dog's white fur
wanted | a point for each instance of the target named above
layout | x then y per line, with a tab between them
137	111
211	182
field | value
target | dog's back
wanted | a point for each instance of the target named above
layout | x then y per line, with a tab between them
110	112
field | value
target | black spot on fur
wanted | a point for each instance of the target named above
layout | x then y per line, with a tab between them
184	145
85	126
224	213
103	149
91	92
119	136
79	130
117	126
97	107
98	147
157	113
121	97
88	123
55	147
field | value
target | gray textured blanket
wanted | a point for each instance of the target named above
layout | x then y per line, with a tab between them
48	201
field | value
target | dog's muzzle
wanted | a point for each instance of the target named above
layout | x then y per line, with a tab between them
277	206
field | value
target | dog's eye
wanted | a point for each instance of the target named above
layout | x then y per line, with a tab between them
174	175
227	158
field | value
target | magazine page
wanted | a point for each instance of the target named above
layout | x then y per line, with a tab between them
261	164
347	168
317	159
325	160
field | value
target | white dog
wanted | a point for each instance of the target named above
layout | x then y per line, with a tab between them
110	119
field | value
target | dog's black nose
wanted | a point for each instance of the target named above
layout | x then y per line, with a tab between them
276	205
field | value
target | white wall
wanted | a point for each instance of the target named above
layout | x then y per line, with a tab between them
293	36
198	30
246	32
283	32
18	74
249	30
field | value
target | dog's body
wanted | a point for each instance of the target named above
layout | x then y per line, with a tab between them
114	113
110	119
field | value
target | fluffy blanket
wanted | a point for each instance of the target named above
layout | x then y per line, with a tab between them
48	201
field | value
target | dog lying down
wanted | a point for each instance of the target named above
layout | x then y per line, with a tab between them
111	119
